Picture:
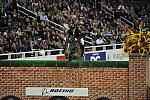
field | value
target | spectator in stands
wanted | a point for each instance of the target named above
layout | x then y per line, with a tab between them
107	40
100	40
118	39
43	17
1	50
25	34
44	45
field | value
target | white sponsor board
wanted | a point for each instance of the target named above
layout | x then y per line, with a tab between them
108	55
45	91
116	55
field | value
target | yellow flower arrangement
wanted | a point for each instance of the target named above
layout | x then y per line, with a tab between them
137	42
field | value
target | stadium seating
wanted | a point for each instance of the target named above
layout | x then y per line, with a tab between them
101	23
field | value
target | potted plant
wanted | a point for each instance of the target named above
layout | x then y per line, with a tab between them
137	42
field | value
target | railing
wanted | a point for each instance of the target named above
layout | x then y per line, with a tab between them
109	11
103	47
125	21
88	40
31	54
56	52
35	16
112	13
57	26
26	12
93	1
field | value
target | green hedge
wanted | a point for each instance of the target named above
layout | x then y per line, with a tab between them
77	64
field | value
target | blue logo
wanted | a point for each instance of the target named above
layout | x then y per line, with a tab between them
95	56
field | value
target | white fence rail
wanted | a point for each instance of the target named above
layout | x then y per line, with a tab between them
102	47
31	54
113	52
88	40
56	52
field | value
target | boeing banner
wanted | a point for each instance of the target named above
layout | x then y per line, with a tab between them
48	91
95	56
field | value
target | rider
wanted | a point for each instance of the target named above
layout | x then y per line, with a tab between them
74	35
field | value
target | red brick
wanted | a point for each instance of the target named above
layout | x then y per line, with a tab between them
113	83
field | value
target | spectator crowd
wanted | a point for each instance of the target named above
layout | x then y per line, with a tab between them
19	33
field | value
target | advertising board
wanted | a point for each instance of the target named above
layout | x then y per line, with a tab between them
95	56
116	55
45	91
108	55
